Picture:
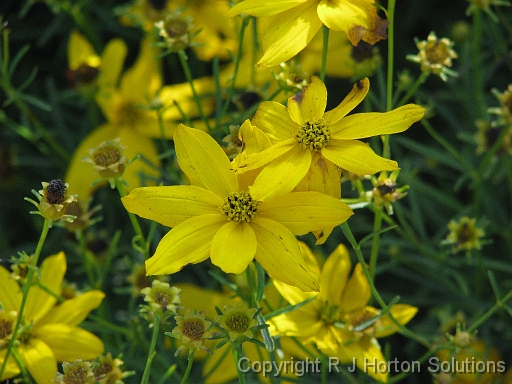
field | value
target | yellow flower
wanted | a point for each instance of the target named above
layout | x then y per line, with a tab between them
464	235
161	297
214	217
53	200
109	371
193	330
295	23
77	372
333	319
50	333
238	322
310	142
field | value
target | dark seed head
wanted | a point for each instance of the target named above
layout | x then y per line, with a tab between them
55	191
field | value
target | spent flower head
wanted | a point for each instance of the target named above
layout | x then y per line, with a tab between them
192	329
7	321
238	322
108	160
291	78
175	29
464	235
385	190
108	371
489	133
161	297
505	110
77	372
83	215
435	56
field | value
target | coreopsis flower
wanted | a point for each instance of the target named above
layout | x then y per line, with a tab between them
295	23
464	235
49	331
292	78
309	144
77	372
175	29
385	191
161	297
108	160
336	320
238	322
505	110
192	329
108	371
435	56
217	217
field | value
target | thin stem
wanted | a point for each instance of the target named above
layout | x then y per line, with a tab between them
325	33
152	352
391	53
476	75
189	366
500	303
237	354
420	80
26	287
86	258
374	254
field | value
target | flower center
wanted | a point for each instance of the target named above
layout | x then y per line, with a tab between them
313	135
6	325
385	189
239	206
126	112
437	52
330	313
55	191
77	375
238	322
193	329
176	28
107	156
103	369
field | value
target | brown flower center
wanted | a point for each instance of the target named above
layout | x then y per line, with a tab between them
238	322
313	135
437	52
193	329
107	156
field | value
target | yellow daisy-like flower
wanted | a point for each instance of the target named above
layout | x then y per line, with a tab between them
193	330
296	22
333	319
77	372
464	235
307	141
238	322
50	332
216	218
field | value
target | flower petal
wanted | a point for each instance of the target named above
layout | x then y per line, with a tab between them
198	298
39	360
233	247
263	8
309	104
352	100
279	254
362	125
112	61
294	295
403	313
11	292
356	157
303	212
274	119
289	33
258	160
39	301
282	175
341	15
187	243
334	275
11	369
172	205
357	291
203	161
80	51
68	342
73	311
296	323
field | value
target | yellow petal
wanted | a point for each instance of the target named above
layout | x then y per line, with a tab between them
172	205
69	342
294	295
289	33
11	293
200	299
80	51
362	125
273	119
357	291
341	15
80	175
403	313
187	243
73	311
368	358
39	359
303	212
309	104
11	369
352	100
334	275
233	247
296	323
279	254
39	301
204	162
310	259
112	61
258	160
263	8
282	175
356	157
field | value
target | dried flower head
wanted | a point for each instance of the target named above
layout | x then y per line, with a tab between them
161	297
489	133
238	322
108	370
291	78
193	330
385	191
108	160
464	235
505	110
7	321
175	29
77	372
435	56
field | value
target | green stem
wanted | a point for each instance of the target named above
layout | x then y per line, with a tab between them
189	366
391	53
237	354
86	258
499	304
377	224
152	352
420	80
325	33
476	75
25	289
184	64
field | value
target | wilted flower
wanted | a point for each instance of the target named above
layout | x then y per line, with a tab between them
175	29
435	56
108	370
385	191
162	297
464	235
